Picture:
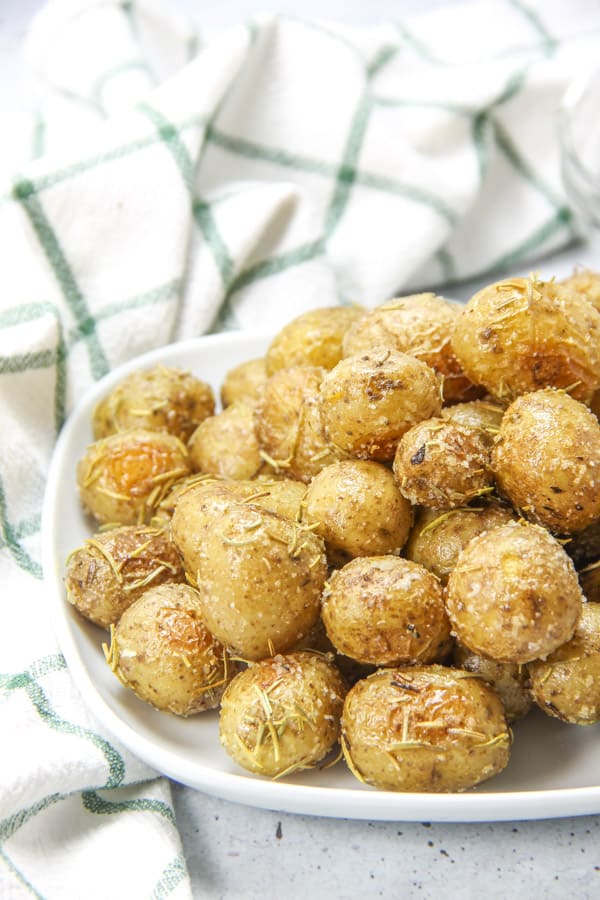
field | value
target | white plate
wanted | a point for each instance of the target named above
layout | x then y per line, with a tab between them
554	769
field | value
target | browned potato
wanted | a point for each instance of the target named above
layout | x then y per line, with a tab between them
260	575
226	444
244	382
368	402
442	464
439	536
162	650
288	424
356	507
421	325
586	283
513	594
159	399
112	569
312	339
386	611
524	334
567	684
547	460
282	714
482	414
509	680
424	728
123	478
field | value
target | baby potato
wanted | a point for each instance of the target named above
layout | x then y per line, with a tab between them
567	684
159	399
356	507
424	728
123	478
439	536
513	594
162	650
525	334
259	574
312	339
421	325
244	382
368	402
226	444
586	283
282	714
442	464
113	568
481	414
288	423
386	611
547	460
509	680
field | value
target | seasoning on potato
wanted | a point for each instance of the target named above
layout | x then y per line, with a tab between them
513	594
282	714
481	414
312	339
424	728
226	444
244	382
586	283
509	680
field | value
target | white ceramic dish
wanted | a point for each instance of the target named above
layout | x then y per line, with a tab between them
554	769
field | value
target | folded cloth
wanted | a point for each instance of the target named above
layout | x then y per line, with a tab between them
176	188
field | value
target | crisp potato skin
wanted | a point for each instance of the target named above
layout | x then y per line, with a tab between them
547	460
226	444
114	568
312	339
509	680
159	399
122	478
164	652
368	402
522	335
513	594
282	714
424	728
386	611
244	382
566	685
357	509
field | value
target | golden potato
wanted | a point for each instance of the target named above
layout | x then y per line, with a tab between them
439	536
442	464
123	478
547	460
513	594
386	611
244	382
509	680
159	399
424	728
586	283
312	339
356	507
281	495
525	334
421	325
282	714
368	402
482	414
567	684
226	444
162	650
113	568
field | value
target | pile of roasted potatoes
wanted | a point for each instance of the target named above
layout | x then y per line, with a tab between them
388	539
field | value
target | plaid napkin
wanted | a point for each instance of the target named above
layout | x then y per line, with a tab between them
172	188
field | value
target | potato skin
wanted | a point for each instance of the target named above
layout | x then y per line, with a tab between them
312	339
586	283
513	594
163	651
159	399
386	611
357	509
368	402
547	460
282	714
509	680
424	728
566	685
226	444
441	464
244	382
524	334
123	478
112	569
481	414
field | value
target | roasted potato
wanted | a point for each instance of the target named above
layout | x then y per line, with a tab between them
312	339
509	680
586	283
244	382
226	444
481	414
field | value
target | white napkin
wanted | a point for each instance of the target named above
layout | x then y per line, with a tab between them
182	188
